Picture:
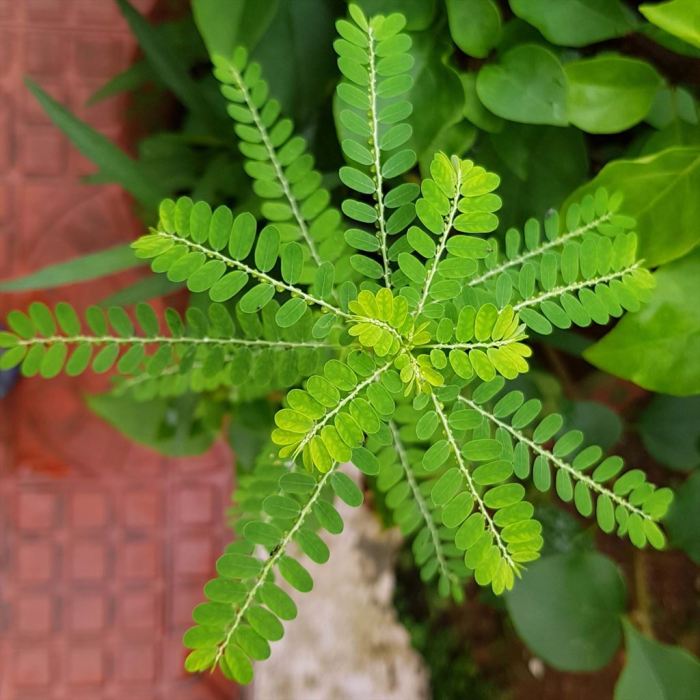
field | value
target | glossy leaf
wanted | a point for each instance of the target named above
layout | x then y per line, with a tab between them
610	93
656	671
576	22
528	85
567	610
650	347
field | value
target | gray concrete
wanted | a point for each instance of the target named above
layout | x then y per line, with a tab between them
346	643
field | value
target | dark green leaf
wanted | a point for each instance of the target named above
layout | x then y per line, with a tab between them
112	161
567	609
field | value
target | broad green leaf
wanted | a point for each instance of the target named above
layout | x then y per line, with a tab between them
114	164
435	95
567	609
475	25
576	22
419	13
225	25
610	93
670	430
671	105
680	18
482	450
527	86
296	54
656	671
134	77
659	191
683	520
474	110
657	346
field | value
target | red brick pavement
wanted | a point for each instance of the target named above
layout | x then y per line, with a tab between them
104	546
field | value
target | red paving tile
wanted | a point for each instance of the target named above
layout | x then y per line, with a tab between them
104	546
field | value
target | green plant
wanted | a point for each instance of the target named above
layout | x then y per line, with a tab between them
395	357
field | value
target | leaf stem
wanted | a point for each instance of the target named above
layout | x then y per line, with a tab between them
447	227
422	505
524	257
575	286
378	180
472	487
172	340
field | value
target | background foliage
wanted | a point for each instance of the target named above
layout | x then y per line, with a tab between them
559	99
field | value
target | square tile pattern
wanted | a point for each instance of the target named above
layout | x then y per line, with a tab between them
104	546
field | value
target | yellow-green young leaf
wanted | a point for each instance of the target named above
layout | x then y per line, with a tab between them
678	17
475	25
42	318
444	175
527	85
200	659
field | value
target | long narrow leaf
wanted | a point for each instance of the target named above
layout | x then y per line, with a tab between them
149	287
166	62
114	163
224	24
86	267
130	79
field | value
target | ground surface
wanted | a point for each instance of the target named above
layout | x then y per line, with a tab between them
103	546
